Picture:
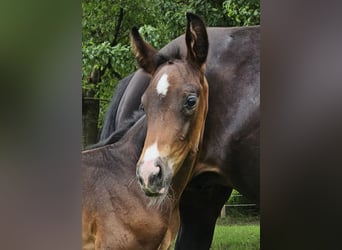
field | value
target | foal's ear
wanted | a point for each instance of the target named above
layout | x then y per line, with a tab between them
196	38
147	57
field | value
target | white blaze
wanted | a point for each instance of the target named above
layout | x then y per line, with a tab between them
151	153
163	85
148	167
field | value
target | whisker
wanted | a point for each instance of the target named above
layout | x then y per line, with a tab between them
162	202
131	181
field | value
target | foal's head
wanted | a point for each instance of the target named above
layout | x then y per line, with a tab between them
176	106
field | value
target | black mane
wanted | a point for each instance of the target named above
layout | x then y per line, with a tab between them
109	121
117	135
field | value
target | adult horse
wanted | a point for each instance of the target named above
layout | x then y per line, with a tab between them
176	100
229	156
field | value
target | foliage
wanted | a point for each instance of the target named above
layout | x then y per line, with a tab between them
237	198
242	12
100	56
106	25
105	44
240	211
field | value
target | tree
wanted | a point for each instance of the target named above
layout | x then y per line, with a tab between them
106	56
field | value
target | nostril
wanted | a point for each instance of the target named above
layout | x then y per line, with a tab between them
158	165
159	174
155	178
157	169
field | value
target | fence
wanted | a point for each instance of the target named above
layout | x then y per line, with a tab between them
241	205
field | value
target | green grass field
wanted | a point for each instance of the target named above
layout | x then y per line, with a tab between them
236	237
237	233
241	233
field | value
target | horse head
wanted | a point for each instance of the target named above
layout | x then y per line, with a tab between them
176	104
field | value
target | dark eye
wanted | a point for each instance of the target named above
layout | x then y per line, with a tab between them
191	101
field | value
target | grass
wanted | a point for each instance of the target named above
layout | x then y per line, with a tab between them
238	220
236	237
237	233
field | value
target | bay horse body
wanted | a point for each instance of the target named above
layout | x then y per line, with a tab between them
229	156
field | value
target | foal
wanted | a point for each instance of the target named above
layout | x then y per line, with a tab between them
115	213
176	104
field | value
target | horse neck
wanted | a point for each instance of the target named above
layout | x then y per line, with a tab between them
183	176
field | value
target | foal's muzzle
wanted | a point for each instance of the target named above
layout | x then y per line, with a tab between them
154	176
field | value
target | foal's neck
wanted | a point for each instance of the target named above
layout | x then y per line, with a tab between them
182	178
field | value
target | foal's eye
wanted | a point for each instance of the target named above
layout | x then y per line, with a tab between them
191	101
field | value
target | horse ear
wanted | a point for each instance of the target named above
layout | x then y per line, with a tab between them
147	57
196	38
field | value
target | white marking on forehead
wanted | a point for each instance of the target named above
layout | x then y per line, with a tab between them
163	85
151	152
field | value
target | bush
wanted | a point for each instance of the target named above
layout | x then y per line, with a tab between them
242	12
